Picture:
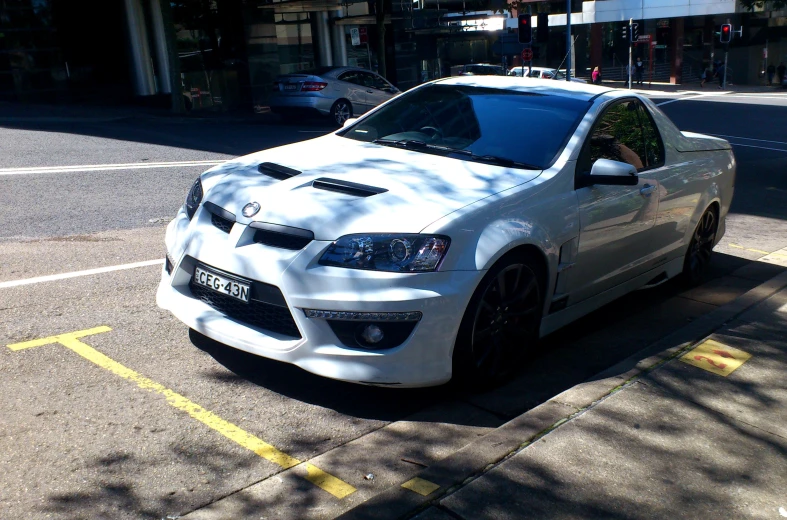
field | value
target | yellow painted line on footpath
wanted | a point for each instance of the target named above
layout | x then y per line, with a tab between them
316	476
421	486
716	357
736	246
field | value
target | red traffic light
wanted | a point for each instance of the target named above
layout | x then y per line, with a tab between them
525	29
726	33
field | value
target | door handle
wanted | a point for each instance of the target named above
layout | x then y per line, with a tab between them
647	190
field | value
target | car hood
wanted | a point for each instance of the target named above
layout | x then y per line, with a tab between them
403	191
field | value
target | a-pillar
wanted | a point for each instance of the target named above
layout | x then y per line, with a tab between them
596	46
676	51
324	47
339	40
141	66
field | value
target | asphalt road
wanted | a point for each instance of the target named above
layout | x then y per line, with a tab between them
145	421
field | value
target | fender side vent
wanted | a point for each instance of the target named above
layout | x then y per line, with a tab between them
277	171
349	188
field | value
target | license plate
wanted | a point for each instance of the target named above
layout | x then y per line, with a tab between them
222	284
290	86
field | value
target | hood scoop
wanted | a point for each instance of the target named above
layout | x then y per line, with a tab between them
277	171
348	188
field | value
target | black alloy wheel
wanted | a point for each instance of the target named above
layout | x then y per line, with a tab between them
341	111
501	323
698	255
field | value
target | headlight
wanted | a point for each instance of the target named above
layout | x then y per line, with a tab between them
396	253
194	198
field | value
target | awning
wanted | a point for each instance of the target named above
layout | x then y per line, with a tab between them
306	6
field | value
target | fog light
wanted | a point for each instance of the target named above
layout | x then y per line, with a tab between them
372	334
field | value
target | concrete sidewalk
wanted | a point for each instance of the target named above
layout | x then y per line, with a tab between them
697	429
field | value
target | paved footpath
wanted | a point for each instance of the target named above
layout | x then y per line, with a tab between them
696	430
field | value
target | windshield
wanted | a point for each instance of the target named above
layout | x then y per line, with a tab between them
525	127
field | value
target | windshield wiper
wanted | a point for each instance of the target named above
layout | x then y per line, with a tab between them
414	144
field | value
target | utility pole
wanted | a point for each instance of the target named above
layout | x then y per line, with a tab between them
568	39
631	33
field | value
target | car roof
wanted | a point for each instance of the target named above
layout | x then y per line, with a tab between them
556	88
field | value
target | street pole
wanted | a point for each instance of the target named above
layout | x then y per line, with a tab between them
630	33
530	61
724	79
568	39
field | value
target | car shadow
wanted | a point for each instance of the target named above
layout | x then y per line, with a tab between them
558	362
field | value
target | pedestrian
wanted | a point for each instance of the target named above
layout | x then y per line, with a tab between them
703	76
596	76
780	72
771	70
639	68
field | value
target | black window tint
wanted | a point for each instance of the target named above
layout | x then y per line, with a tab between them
618	136
522	126
654	147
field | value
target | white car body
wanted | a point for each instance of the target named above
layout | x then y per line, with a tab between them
597	242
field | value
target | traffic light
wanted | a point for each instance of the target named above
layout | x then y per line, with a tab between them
525	29
542	31
726	33
634	32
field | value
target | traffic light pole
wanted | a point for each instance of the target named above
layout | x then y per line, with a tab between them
568	40
631	33
724	79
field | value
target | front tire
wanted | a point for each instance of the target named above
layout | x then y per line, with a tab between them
698	256
501	323
341	111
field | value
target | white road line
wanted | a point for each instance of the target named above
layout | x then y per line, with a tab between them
673	101
748	139
105	167
759	147
74	274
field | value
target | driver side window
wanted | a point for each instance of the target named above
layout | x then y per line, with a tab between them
617	136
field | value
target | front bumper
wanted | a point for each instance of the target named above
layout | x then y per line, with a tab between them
423	359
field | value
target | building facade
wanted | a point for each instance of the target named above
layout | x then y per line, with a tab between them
226	54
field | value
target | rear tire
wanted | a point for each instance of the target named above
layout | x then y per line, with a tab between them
698	256
501	323
341	111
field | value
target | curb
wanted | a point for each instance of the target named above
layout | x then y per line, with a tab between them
475	459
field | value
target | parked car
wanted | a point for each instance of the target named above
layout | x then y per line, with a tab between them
543	73
481	69
443	233
338	92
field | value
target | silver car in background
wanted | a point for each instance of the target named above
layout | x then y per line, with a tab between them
341	92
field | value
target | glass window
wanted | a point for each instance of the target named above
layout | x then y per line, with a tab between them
654	147
521	126
351	77
617	136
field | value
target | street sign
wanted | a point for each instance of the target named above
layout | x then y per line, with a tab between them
355	36
527	54
363	35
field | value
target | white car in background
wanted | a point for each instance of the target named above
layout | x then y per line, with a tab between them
444	232
542	73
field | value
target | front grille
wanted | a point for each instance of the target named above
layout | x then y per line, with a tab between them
270	238
221	223
256	313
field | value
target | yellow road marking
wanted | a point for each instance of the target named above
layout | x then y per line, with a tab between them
716	357
315	475
736	246
421	486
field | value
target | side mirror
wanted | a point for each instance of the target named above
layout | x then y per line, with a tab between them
611	173
349	121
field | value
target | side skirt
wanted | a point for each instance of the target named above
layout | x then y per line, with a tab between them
553	322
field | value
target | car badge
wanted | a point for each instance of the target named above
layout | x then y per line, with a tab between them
251	209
